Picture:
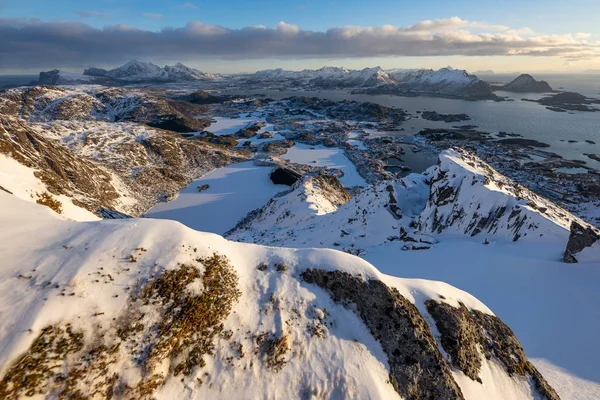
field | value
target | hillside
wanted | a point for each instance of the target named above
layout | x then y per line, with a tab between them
107	297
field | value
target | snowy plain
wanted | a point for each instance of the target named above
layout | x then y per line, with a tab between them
233	192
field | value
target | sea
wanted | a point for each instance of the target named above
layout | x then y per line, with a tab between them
16	80
528	119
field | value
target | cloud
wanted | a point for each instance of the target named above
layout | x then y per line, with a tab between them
91	13
152	15
187	5
39	44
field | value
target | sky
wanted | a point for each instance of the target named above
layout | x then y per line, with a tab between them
231	36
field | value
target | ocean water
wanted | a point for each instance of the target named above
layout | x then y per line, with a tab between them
528	119
16	80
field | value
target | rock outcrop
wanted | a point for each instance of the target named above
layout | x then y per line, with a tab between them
581	237
417	368
466	334
468	196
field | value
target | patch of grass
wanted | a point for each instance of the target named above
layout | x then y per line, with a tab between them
47	200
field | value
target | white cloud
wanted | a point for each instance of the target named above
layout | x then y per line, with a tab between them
68	44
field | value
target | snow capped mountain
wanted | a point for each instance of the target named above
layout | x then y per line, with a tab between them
445	81
328	77
373	217
468	197
180	72
138	71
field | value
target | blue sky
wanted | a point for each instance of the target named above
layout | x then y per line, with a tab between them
542	17
550	16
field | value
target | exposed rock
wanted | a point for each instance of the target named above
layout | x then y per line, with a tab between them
284	176
461	337
417	368
580	238
464	333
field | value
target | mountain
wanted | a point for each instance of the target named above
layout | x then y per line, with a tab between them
461	196
326	77
445	82
141	308
525	83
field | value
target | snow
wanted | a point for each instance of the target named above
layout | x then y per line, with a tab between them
326	157
228	126
347	363
567	385
233	192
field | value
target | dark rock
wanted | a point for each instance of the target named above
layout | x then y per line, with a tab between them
594	156
201	97
580	238
434	116
95	71
525	84
284	176
417	368
570	101
49	77
464	333
178	123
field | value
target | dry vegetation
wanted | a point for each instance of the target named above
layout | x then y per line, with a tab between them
47	200
62	363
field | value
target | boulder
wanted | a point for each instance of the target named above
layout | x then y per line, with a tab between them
284	176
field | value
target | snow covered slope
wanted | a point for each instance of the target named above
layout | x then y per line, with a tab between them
138	71
139	308
317	213
469	197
